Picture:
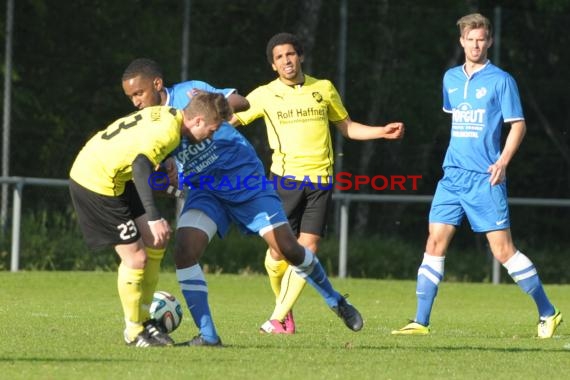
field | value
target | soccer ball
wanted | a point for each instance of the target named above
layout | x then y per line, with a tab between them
166	310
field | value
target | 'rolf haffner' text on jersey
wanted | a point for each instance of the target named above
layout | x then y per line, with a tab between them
297	121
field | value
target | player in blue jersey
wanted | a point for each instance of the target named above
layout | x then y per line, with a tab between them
480	98
228	185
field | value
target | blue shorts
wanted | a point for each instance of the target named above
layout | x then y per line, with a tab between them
465	193
262	210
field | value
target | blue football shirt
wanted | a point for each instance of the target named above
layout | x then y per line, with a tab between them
227	163
177	95
479	105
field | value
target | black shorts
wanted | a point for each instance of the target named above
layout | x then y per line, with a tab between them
105	220
306	206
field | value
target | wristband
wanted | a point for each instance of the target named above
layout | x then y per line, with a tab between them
153	222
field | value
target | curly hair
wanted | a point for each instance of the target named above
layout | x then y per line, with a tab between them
282	39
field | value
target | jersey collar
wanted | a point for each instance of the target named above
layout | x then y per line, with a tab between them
167	90
487	62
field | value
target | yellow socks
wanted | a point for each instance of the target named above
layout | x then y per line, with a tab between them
286	285
150	278
129	285
275	270
291	287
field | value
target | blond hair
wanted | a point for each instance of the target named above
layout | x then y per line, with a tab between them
474	21
212	106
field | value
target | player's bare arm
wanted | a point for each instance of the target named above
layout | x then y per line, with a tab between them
357	131
234	121
498	170
238	103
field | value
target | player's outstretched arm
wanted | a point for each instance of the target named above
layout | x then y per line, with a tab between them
357	131
393	131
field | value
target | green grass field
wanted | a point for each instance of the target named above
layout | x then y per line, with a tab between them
68	325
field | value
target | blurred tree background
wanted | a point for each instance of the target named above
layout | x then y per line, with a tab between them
68	57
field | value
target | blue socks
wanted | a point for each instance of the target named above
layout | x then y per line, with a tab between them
523	272
520	268
430	274
195	290
314	273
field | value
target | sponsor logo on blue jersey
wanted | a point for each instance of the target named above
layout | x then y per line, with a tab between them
467	122
196	157
464	114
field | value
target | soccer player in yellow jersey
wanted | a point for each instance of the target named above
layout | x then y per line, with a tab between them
228	186
297	109
109	186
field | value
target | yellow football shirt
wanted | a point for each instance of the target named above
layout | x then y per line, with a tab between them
104	164
297	120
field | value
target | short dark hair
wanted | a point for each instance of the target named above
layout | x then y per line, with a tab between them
145	67
282	39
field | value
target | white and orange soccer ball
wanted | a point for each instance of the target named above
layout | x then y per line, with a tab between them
166	310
